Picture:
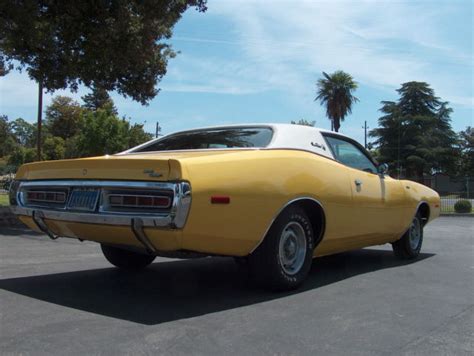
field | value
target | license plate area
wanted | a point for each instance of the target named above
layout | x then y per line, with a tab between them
83	199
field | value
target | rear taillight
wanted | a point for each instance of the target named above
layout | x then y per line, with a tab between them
139	201
45	196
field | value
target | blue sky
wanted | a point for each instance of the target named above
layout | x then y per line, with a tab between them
258	61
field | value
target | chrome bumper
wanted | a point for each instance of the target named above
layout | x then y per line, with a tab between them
101	218
174	219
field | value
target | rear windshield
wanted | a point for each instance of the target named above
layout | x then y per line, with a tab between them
213	138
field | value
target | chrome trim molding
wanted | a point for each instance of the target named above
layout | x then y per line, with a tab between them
97	183
175	218
181	205
279	212
94	218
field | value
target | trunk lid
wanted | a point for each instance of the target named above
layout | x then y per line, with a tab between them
153	166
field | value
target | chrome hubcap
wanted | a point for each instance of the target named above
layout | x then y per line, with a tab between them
292	248
415	234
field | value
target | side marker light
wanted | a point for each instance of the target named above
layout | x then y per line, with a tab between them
220	200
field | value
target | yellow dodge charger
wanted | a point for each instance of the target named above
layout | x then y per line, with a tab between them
272	195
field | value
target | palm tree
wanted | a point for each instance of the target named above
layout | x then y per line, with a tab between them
336	92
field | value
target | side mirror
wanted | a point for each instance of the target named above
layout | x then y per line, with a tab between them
382	169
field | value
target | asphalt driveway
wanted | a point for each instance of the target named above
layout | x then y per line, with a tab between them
62	297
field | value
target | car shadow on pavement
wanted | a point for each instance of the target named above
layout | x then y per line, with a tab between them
168	291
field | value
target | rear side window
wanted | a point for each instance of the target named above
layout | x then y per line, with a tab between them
213	138
350	155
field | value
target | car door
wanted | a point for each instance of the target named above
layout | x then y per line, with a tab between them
370	218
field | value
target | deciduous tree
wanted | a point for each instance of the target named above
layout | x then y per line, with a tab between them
54	148
304	122
102	133
7	138
137	135
116	45
63	117
24	132
466	161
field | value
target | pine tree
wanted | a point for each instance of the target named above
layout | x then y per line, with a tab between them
415	134
99	99
62	44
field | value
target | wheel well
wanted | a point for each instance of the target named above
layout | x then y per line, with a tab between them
316	215
424	211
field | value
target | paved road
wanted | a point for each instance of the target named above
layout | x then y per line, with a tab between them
63	298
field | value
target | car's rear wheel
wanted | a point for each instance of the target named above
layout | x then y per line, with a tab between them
283	260
125	259
409	245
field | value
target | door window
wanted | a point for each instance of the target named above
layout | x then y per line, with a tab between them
350	155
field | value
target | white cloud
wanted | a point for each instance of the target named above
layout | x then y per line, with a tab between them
210	75
382	44
19	96
285	45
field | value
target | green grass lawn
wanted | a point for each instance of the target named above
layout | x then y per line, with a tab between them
4	200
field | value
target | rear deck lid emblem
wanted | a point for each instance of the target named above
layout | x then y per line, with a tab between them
152	173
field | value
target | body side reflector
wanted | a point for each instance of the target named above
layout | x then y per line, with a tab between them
218	199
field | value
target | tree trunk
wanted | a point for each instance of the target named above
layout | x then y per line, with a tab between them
332	125
337	125
40	114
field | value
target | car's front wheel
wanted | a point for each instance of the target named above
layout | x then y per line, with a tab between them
125	259
283	260
409	245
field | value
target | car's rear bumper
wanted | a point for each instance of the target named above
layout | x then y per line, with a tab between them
150	231
147	238
103	219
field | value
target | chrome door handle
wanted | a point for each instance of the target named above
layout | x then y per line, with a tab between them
358	182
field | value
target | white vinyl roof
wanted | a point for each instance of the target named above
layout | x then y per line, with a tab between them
299	137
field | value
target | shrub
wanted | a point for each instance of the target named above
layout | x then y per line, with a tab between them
463	206
20	156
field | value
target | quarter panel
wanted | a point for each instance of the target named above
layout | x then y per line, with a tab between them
259	184
418	193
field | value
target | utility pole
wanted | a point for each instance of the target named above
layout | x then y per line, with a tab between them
468	196
40	119
158	130
398	149
365	127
